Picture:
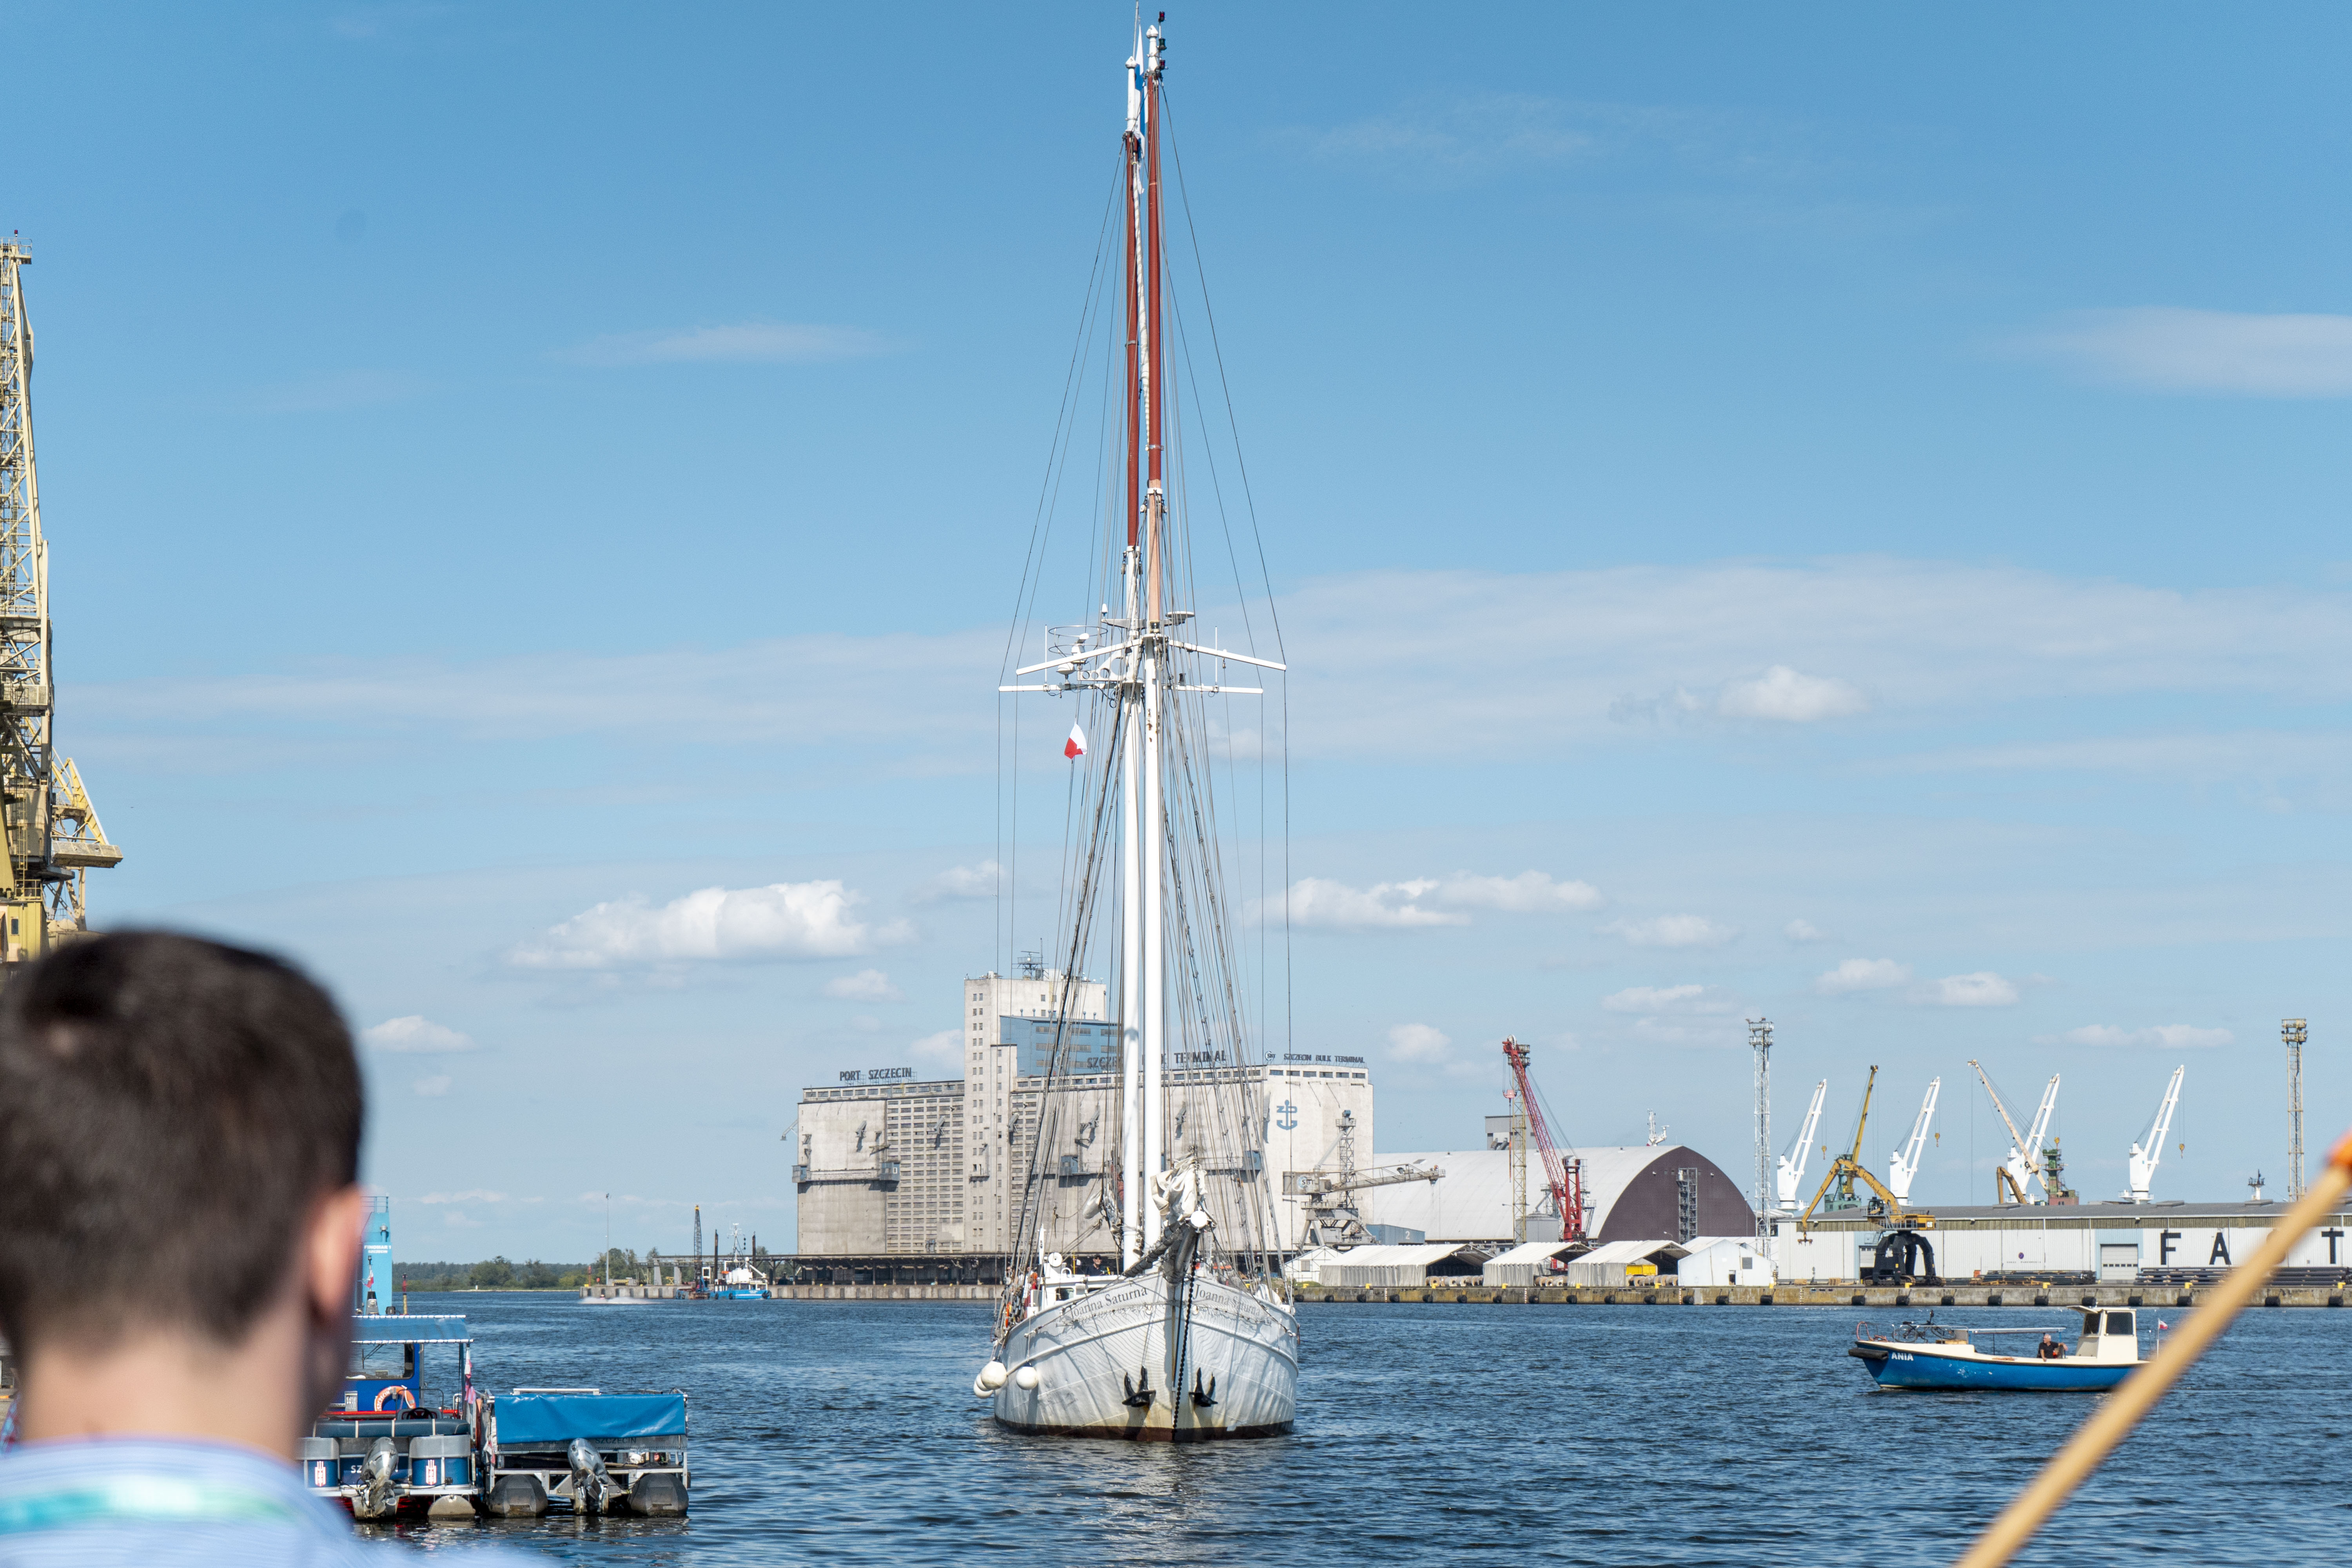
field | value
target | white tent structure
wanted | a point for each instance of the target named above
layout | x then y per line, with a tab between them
1394	1266
1528	1264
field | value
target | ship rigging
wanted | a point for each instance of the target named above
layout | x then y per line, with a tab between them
1194	1336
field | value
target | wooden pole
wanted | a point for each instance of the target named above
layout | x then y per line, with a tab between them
2138	1394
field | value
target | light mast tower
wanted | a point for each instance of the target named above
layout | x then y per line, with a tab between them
2295	1031
52	833
1760	1040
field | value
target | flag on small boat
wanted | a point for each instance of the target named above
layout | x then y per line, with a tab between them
1076	746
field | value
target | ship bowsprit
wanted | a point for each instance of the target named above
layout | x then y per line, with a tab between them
1132	1360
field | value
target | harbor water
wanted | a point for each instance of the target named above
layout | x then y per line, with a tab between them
845	1432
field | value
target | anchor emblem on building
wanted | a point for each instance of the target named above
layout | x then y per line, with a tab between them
1288	1120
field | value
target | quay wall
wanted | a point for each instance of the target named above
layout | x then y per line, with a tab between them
1805	1294
1797	1295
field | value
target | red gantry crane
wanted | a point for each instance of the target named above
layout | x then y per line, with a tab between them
1562	1175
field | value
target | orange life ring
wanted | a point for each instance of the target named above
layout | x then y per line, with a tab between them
407	1400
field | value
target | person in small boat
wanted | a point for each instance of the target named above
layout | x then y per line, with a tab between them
180	1216
2050	1349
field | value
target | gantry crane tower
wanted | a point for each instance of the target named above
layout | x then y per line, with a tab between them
1332	1219
1902	1242
1563	1174
52	831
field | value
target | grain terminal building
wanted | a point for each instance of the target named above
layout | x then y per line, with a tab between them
892	1170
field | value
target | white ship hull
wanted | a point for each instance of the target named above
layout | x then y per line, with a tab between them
1241	1355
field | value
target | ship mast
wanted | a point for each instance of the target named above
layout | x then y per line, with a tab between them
1143	1040
1131	1012
52	833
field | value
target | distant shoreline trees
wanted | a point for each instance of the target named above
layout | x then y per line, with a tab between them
497	1274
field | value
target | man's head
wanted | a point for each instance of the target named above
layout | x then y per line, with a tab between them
174	1113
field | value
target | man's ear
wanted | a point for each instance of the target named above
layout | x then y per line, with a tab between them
330	1253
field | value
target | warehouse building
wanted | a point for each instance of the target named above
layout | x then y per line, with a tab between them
2114	1243
1665	1191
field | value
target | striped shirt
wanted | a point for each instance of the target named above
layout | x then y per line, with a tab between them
148	1503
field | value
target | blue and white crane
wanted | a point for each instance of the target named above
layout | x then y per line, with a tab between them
1902	1166
2025	1149
2149	1149
1790	1175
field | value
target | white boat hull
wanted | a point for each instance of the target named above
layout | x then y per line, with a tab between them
1241	1353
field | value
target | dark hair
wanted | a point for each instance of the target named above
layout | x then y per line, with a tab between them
170	1108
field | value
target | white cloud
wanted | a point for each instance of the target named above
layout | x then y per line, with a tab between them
1453	137
742	342
1530	892
433	1088
1474	666
1801	931
1418	1043
945	1046
1982	989
1690	1031
866	985
1865	975
2170	1037
781	920
1671	931
1318	903
456	1219
961	882
2168	348
1688	999
1782	693
415	1036
470	1195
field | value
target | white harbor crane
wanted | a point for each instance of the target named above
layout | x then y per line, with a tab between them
2024	1160
2149	1149
1789	1178
1902	1166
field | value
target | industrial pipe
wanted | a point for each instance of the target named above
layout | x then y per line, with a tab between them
2138	1394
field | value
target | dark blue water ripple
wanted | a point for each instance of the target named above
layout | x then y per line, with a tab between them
847	1433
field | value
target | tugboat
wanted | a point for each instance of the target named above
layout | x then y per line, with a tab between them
1934	1355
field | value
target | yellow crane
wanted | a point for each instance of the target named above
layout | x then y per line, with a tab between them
49	831
1847	1169
1901	1247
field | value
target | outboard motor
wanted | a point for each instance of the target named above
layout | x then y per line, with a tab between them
593	1486
375	1498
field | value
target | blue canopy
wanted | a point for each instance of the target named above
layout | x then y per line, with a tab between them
599	1417
400	1329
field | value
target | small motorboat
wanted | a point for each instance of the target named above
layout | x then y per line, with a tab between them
1943	1355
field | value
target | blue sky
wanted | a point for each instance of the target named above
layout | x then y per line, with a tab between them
1857	493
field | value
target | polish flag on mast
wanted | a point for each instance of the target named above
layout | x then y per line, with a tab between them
1076	746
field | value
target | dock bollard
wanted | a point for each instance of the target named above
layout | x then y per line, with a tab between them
2137	1395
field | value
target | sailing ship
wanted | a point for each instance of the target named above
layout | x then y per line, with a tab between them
1194	1334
